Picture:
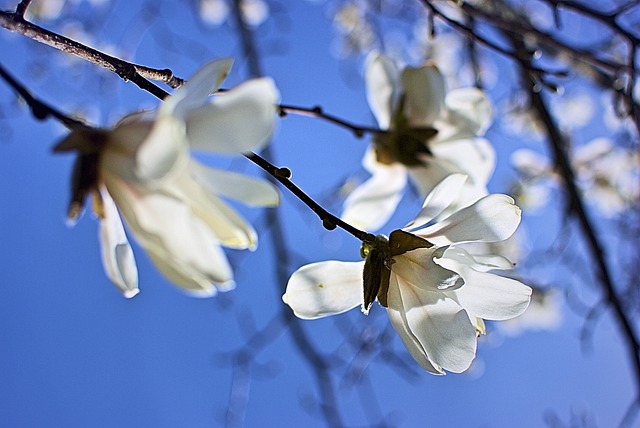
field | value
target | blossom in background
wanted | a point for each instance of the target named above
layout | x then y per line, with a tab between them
608	176
168	199
436	290
216	12
430	135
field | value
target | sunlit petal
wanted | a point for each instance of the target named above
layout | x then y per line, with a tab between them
237	121
439	199
196	90
250	191
487	295
493	218
326	288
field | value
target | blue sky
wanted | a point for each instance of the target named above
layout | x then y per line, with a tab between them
75	353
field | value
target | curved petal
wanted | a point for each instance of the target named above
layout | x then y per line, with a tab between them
417	268
196	90
325	288
426	178
469	110
117	255
438	200
248	190
165	149
424	94
230	229
372	203
398	319
491	219
237	121
486	295
381	78
441	326
481	263
181	244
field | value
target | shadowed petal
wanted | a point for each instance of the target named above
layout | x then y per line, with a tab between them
418	268
372	203
424	94
117	255
441	326
326	288
181	244
381	77
398	319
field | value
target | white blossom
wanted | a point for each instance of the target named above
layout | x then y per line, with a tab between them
431	134
437	291
169	200
608	176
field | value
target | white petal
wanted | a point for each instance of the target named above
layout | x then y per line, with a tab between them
164	150
475	157
441	326
372	203
439	199
237	121
248	190
424	93
398	319
487	295
230	229
482	263
417	267
469	110
325	288
117	255
196	90
381	77
426	178
181	244
491	219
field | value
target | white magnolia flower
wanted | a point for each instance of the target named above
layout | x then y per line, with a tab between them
436	290
607	175
169	200
431	135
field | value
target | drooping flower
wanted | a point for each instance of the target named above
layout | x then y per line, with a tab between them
169	200
431	134
436	290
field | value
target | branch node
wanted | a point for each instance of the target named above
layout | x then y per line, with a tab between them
283	172
328	224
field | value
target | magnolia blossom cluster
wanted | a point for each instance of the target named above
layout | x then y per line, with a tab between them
142	170
436	290
436	286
